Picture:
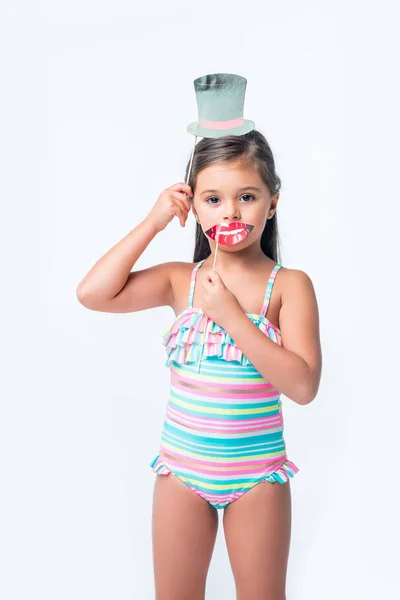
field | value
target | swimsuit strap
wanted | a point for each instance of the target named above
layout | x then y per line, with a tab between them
192	283
268	291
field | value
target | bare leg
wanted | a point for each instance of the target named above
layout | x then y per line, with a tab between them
184	530
257	529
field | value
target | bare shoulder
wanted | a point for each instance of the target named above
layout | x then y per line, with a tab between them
180	273
181	269
161	282
294	282
166	282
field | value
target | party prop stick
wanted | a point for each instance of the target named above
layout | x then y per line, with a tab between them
216	249
191	160
205	328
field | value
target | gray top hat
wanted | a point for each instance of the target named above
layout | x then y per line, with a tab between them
220	101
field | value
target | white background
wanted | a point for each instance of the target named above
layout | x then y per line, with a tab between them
95	99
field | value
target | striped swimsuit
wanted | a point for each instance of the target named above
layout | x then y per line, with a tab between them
223	427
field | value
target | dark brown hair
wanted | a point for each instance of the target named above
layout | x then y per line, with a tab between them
253	149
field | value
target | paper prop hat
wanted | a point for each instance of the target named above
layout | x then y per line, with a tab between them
220	101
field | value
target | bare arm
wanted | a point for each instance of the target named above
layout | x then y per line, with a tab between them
295	367
110	286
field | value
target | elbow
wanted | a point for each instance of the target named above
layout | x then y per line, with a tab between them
308	389
307	394
82	296
80	293
89	300
305	399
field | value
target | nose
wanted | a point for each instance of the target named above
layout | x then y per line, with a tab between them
232	211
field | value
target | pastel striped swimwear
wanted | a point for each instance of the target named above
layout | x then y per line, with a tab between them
223	426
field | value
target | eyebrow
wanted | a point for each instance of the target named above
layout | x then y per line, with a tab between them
248	187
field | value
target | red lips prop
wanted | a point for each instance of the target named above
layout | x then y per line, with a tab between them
229	234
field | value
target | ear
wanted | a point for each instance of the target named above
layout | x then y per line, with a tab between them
274	201
195	214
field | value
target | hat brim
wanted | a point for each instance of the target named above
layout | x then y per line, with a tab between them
245	127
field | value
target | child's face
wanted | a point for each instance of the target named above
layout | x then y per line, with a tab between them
225	193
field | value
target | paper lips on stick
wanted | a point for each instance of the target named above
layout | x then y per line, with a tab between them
229	234
226	234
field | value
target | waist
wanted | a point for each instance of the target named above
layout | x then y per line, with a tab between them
222	381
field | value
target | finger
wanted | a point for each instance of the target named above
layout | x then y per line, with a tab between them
182	187
181	203
208	281
179	212
214	276
181	196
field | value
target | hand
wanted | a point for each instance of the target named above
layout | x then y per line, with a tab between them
217	301
172	202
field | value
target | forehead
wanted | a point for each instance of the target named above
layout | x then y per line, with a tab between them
228	175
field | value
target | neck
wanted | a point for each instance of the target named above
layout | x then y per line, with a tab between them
249	257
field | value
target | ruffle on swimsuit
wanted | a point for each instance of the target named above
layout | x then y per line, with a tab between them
282	474
184	339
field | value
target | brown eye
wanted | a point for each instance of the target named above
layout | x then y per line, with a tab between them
248	195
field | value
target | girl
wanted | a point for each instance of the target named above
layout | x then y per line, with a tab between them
222	444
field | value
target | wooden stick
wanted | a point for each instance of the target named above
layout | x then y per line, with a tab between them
216	250
191	160
205	329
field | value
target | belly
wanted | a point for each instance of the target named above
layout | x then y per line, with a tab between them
225	420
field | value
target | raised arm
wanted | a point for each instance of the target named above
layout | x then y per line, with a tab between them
110	286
